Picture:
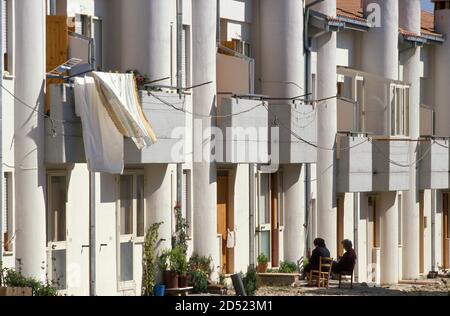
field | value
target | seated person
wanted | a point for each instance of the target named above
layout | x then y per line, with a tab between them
347	262
320	250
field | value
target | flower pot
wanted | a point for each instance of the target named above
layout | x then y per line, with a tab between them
172	280
159	290
262	268
182	281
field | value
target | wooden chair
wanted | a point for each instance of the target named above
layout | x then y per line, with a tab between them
347	273
321	277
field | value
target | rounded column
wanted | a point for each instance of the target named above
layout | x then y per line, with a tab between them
442	72
204	20
410	20
282	74
30	172
380	57
294	237
158	193
147	30
326	132
388	238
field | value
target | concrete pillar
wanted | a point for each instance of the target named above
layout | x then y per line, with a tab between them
147	30
29	138
282	74
410	20
204	21
389	238
380	57
294	216
160	200
162	31
442	73
326	132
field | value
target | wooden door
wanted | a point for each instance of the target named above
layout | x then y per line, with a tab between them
274	220
222	210
57	48
445	232
340	225
421	234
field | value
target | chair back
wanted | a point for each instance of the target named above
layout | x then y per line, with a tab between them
325	265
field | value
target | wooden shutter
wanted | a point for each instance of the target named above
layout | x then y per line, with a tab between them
57	47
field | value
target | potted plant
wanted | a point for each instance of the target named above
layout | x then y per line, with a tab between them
150	263
180	266
262	263
163	265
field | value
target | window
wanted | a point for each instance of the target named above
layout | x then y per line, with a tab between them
7	213
185	61
239	46
7	9
83	25
400	213
57	228
264	227
131	221
399	110
186	205
374	227
281	199
56	211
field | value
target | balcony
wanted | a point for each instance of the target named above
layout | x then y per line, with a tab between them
434	167
296	124
354	163
390	160
169	125
244	126
64	141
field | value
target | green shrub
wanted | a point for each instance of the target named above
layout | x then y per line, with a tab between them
178	261
199	280
13	278
262	259
251	281
287	267
150	260
163	260
197	262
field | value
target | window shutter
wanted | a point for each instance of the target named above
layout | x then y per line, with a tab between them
6	209
184	59
5	18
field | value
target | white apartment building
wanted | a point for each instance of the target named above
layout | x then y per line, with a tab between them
333	117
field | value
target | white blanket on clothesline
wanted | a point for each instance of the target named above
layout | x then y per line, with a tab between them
103	143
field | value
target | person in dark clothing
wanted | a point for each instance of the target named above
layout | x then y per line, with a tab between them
320	250
347	262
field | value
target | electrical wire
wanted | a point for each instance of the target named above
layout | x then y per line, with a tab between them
203	115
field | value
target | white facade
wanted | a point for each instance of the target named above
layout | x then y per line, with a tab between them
356	166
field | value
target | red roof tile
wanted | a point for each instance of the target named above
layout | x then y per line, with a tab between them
353	9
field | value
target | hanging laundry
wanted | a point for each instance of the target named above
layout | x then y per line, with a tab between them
103	143
119	94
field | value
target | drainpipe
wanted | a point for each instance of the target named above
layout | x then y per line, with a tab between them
433	233
251	175
92	244
1	145
180	89
308	89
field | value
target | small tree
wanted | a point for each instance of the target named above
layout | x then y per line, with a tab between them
149	260
181	226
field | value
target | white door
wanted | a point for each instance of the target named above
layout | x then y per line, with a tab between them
57	229
131	225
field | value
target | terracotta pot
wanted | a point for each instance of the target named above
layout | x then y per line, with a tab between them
182	281
171	281
261	268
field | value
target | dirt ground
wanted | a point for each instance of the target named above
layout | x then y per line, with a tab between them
435	287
